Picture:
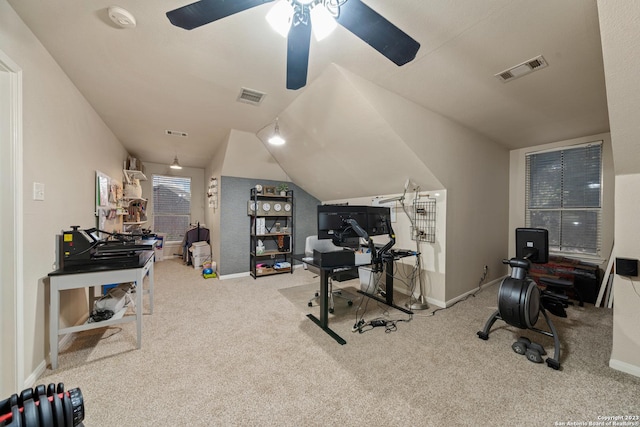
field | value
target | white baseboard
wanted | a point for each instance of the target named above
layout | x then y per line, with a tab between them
247	273
449	303
30	381
624	367
233	276
452	301
431	301
438	303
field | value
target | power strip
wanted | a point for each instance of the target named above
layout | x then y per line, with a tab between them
358	326
374	323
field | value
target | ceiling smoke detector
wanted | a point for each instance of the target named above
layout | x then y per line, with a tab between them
251	96
121	17
522	69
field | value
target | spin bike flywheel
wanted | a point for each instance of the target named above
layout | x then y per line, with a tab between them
519	302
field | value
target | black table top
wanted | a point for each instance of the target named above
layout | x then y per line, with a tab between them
309	260
96	267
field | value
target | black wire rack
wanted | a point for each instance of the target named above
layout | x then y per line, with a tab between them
424	220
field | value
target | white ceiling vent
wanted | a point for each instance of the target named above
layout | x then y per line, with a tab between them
250	96
520	70
176	133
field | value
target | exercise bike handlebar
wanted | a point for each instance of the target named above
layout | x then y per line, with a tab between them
517	263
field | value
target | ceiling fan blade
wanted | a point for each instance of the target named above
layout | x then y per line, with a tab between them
376	31
205	11
298	55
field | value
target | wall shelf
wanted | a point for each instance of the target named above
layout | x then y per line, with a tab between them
134	209
130	175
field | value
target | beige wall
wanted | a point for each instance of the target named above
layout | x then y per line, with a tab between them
625	354
64	143
246	157
475	172
212	216
621	53
517	182
343	144
243	155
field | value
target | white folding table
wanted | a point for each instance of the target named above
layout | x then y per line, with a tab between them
92	276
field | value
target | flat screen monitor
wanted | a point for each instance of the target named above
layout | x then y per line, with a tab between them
532	244
332	222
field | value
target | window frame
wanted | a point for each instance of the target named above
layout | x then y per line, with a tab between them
558	249
171	238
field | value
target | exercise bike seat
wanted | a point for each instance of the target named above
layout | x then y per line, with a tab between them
560	286
554	303
556	283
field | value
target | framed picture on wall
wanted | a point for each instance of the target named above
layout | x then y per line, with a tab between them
269	190
102	190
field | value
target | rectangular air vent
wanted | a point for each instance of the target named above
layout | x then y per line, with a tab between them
176	133
522	69
250	96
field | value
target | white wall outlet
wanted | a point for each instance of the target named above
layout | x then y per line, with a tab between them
38	191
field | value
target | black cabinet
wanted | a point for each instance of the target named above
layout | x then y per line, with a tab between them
271	236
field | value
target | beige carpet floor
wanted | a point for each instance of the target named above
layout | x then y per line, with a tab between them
241	352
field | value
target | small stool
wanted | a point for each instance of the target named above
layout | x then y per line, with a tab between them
560	287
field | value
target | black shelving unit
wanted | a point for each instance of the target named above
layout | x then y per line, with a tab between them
271	219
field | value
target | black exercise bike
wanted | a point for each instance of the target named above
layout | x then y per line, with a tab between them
520	301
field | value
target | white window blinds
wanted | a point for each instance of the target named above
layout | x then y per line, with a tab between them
171	206
563	195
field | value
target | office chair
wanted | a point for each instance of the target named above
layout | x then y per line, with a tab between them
323	245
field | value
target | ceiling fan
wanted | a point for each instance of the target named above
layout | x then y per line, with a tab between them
354	15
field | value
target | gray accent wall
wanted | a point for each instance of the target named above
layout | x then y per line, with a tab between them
235	223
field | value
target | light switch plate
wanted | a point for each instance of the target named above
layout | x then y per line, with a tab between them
38	191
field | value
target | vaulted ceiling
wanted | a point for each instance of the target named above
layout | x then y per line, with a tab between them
157	77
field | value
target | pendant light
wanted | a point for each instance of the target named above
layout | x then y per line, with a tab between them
175	164
276	138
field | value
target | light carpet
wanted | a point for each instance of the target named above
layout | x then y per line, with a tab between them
241	352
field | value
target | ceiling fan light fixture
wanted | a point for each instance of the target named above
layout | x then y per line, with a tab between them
276	138
280	17
175	164
293	19
323	22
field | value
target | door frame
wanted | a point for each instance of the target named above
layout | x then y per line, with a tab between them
11	227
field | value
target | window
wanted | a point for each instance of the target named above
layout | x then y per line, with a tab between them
563	195
171	206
